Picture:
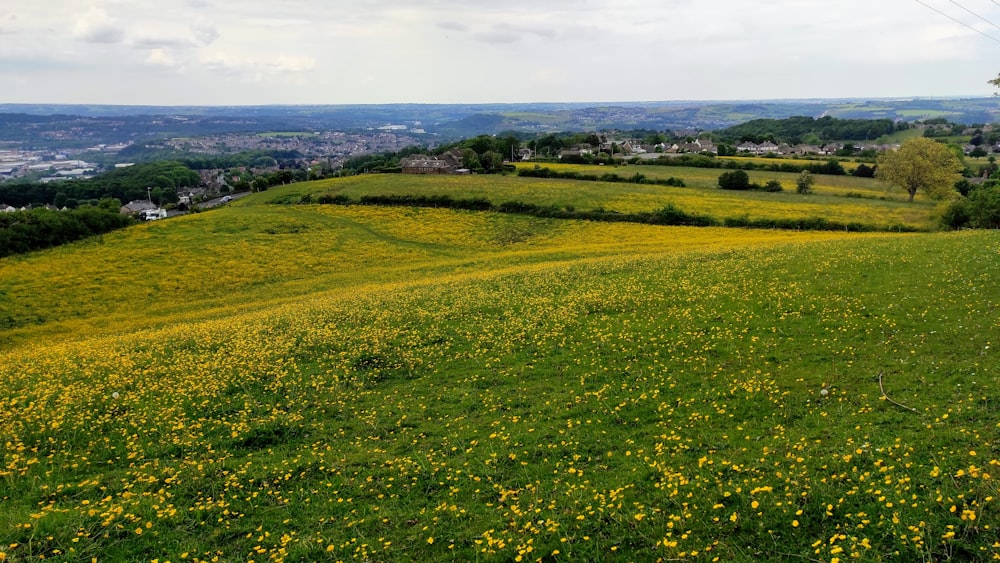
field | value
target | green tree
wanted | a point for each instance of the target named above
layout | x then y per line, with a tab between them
804	183
920	164
470	159
863	171
734	180
492	161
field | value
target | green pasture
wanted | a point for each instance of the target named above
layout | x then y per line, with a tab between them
270	382
870	204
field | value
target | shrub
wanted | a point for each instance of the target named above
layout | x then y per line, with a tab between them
772	186
734	180
981	210
804	183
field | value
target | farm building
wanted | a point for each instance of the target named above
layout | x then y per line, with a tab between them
420	164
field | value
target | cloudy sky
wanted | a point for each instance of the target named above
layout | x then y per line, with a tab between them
235	52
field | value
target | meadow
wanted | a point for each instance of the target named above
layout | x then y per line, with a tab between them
843	199
269	382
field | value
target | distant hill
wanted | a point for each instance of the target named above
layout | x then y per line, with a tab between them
28	122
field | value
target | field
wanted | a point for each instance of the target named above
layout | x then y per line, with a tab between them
266	382
848	165
871	206
900	136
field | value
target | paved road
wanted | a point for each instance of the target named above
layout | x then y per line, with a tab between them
210	203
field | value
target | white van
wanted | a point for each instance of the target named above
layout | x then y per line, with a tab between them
153	214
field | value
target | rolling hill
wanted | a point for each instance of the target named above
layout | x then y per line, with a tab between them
282	381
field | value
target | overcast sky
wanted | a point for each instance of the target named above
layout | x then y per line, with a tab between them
237	52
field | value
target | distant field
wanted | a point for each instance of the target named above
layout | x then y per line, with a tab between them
701	195
848	165
878	205
534	117
899	136
926	113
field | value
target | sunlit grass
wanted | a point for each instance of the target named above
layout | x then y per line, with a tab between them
272	383
871	206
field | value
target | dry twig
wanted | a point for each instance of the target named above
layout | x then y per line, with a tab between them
886	397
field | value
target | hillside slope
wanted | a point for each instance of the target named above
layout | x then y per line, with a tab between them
275	382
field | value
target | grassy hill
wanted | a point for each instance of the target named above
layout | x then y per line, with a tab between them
304	382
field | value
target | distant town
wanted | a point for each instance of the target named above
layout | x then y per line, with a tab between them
330	148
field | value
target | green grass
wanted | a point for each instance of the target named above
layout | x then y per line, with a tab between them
315	382
900	136
926	113
871	206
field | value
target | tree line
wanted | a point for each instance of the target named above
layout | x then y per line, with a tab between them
37	229
808	130
124	184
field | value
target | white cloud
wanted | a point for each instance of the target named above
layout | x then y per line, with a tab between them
162	39
257	68
8	24
453	26
204	31
161	58
548	51
96	26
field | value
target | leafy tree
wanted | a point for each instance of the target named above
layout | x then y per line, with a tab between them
492	161
864	171
981	210
481	144
804	183
921	164
655	138
846	150
508	145
548	145
963	186
812	138
470	159
734	180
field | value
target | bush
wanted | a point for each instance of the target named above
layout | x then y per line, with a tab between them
804	183
981	210
864	171
734	180
772	186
